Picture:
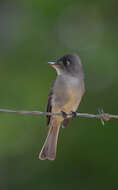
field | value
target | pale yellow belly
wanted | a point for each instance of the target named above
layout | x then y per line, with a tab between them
67	102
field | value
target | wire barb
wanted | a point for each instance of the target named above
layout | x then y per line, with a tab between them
101	112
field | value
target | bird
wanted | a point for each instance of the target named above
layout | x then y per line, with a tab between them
65	95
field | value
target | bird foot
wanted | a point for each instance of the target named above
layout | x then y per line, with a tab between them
74	114
64	114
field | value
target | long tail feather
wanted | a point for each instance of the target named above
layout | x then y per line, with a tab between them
49	148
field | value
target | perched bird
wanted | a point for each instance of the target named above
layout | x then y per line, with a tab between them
65	96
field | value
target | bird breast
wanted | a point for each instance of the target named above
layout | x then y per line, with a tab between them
67	93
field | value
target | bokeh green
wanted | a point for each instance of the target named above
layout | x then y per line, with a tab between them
32	33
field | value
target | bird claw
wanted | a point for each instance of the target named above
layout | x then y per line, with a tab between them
64	114
71	115
74	114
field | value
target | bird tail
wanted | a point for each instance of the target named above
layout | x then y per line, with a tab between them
49	148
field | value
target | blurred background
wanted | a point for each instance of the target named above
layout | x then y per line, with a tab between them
33	32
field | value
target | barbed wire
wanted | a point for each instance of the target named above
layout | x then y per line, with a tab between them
101	115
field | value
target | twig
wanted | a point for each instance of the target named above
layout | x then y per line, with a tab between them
101	115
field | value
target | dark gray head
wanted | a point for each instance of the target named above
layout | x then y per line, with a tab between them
68	64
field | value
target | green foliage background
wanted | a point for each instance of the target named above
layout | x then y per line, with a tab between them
32	33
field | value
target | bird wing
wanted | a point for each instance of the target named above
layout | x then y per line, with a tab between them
49	104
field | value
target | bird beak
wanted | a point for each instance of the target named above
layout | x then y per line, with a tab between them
51	63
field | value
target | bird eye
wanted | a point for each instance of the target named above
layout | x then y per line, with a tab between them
67	62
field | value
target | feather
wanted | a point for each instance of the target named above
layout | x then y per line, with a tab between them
65	123
49	104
